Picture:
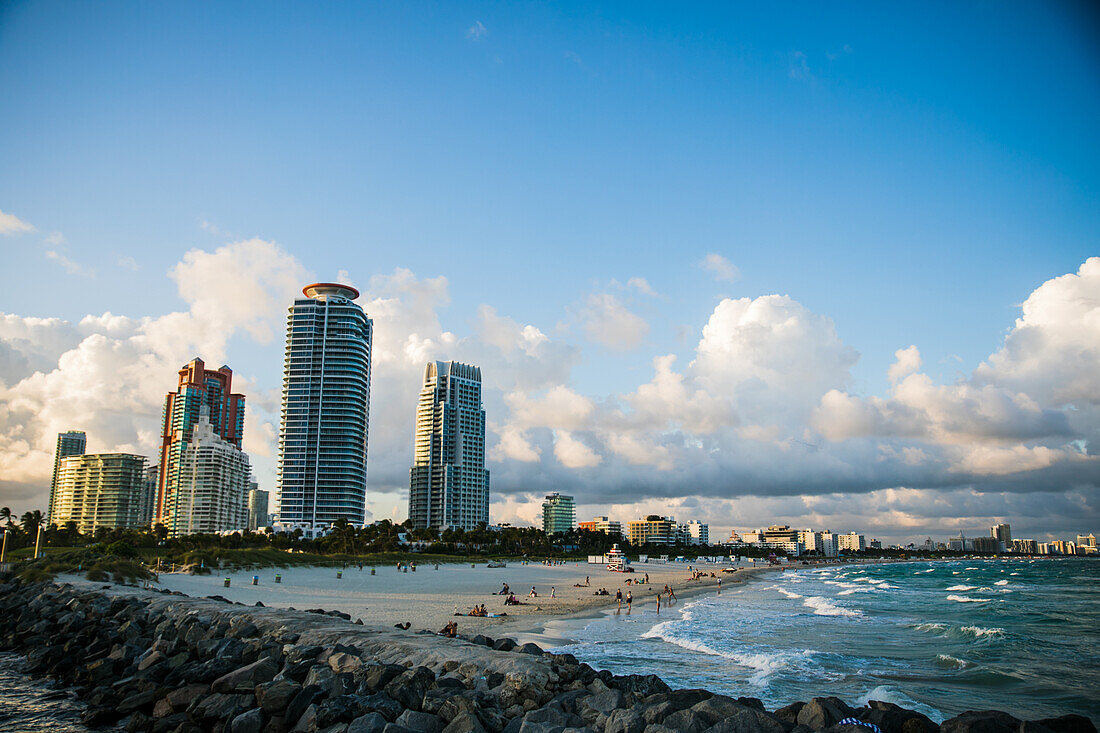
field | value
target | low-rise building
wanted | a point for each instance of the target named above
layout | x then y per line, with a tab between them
1025	546
694	532
654	529
609	527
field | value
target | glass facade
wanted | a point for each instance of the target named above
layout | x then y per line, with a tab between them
322	464
69	443
101	490
448	483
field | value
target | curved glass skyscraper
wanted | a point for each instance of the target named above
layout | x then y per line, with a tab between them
322	467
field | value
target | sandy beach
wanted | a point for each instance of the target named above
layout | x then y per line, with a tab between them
429	597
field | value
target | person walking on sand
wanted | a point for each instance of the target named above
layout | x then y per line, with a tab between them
671	594
619	598
629	600
587	582
553	592
658	604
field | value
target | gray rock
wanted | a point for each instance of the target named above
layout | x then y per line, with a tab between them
379	675
247	677
981	721
530	648
251	722
383	704
789	713
465	723
221	706
624	721
142	701
409	687
424	722
369	723
891	718
300	702
182	697
1068	724
821	712
274	696
592	706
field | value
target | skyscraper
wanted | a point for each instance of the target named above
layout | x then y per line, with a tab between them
322	467
100	490
1002	533
200	391
448	483
213	484
69	443
257	507
558	513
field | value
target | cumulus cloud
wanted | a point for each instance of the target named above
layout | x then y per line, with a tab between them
607	321
908	361
11	224
641	285
572	453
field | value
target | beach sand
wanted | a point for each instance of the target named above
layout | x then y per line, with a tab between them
429	597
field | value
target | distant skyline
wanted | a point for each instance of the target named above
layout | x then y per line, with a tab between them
833	267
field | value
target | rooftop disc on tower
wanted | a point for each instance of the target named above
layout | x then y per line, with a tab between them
320	291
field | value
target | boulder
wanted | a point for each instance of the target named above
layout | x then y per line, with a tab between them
245	679
252	721
1068	724
409	687
891	718
298	704
981	721
465	723
624	721
789	713
274	696
343	662
424	722
181	698
369	723
591	707
821	712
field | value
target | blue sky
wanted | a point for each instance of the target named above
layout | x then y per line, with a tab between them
911	172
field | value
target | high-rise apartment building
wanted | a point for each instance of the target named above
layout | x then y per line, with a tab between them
100	490
322	464
149	494
69	443
448	482
609	527
558	513
213	485
200	391
257	508
1002	533
852	542
811	541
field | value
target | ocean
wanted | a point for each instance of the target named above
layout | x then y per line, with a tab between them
35	705
940	637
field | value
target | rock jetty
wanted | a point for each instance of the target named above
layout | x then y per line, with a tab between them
158	661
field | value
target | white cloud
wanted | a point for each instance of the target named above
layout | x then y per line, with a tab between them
908	361
641	285
11	224
572	452
722	268
71	266
477	31
609	322
128	263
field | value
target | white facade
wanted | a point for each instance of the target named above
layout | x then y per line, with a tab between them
448	483
695	532
811	540
830	546
852	542
213	485
257	508
100	490
322	466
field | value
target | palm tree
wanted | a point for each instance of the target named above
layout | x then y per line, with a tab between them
5	515
31	521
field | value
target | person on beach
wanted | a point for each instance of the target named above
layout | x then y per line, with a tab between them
619	598
504	590
450	630
533	593
671	594
658	604
587	582
553	592
647	578
629	600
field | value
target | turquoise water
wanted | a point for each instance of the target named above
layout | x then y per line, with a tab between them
943	637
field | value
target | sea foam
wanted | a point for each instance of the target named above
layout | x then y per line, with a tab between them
962	587
825	607
967	599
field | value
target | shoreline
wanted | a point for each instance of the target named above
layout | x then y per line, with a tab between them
153	660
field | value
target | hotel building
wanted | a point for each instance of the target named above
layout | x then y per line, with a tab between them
213	483
1002	533
448	482
602	524
100	490
69	443
654	529
558	513
322	463
852	542
201	392
257	508
694	532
